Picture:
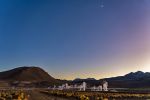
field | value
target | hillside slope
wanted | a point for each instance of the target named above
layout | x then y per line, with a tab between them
26	74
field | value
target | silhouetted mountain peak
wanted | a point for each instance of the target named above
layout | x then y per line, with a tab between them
137	74
26	73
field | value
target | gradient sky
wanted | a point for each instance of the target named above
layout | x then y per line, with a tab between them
76	38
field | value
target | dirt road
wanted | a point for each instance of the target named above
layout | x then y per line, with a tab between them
36	95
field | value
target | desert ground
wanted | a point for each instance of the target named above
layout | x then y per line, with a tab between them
46	94
37	95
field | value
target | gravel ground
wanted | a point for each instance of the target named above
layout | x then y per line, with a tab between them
36	95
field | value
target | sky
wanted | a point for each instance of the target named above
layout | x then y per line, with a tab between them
76	38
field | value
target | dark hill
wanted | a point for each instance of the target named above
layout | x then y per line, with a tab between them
31	74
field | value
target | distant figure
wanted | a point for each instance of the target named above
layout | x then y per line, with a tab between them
105	85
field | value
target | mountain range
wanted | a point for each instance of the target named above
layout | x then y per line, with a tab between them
137	79
37	77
